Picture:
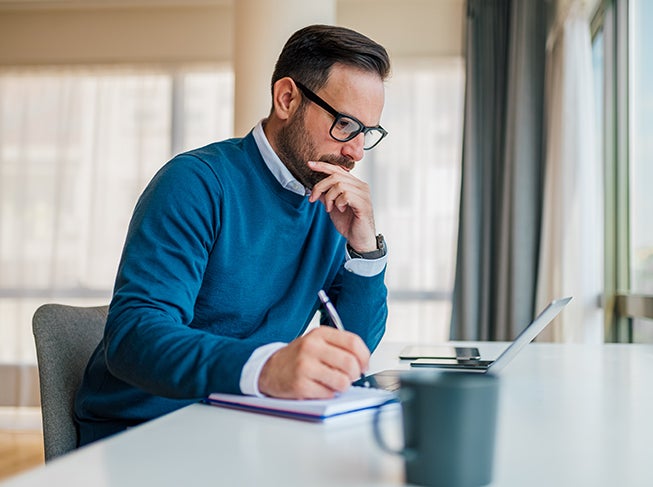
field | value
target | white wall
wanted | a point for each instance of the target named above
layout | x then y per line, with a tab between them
159	31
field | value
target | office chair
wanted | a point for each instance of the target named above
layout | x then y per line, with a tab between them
65	337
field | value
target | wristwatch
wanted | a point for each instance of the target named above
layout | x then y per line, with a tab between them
374	254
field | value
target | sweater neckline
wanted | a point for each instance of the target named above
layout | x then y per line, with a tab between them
261	168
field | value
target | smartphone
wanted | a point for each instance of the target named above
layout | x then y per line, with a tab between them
412	352
459	364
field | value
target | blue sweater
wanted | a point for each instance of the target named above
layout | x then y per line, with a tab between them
219	259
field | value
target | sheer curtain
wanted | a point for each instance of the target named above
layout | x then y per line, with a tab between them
77	147
572	234
414	176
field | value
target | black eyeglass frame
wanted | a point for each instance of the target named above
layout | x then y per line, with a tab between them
362	128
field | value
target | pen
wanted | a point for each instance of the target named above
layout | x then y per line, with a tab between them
331	309
337	322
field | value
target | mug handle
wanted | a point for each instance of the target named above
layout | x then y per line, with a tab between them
407	453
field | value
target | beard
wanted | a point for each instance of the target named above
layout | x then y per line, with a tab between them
295	148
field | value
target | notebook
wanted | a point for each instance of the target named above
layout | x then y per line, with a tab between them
389	379
355	399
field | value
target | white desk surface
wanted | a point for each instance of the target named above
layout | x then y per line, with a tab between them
569	415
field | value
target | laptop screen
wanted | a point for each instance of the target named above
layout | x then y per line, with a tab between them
529	333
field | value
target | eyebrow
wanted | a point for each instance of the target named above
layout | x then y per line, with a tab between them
311	95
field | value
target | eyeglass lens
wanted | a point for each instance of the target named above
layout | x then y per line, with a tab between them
345	128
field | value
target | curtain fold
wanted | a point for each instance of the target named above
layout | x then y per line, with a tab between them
572	232
502	173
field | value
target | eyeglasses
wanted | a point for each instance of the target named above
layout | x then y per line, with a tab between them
346	127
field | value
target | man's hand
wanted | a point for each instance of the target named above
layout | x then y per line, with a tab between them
348	201
315	366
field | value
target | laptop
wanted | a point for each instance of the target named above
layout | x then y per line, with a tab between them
389	379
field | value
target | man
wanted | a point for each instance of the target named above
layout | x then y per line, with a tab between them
229	245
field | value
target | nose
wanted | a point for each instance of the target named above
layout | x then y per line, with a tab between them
354	148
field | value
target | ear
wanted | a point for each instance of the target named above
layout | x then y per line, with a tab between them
286	98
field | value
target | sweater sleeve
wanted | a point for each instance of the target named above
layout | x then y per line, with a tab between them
361	302
148	340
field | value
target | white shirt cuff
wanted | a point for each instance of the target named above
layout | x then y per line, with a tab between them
365	267
252	368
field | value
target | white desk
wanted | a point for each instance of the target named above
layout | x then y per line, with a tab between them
569	415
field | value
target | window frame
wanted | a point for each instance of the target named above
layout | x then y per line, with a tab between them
621	306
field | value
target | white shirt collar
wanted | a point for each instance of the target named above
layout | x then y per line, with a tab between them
274	164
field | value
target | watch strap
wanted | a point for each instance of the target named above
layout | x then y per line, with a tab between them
374	254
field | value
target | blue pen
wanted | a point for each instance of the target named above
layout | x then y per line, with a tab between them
337	322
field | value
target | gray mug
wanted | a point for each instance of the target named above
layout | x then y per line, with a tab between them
449	423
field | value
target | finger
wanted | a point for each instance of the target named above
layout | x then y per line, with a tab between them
326	167
335	372
334	192
320	388
346	368
295	372
322	187
342	177
345	183
343	194
347	346
317	365
324	369
342	202
334	380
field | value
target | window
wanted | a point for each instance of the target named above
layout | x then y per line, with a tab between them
77	146
623	41
641	158
415	181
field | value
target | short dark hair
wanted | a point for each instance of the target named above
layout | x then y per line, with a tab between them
311	52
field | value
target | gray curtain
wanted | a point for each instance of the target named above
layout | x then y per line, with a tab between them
502	170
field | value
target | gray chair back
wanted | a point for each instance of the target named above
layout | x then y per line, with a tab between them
65	338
